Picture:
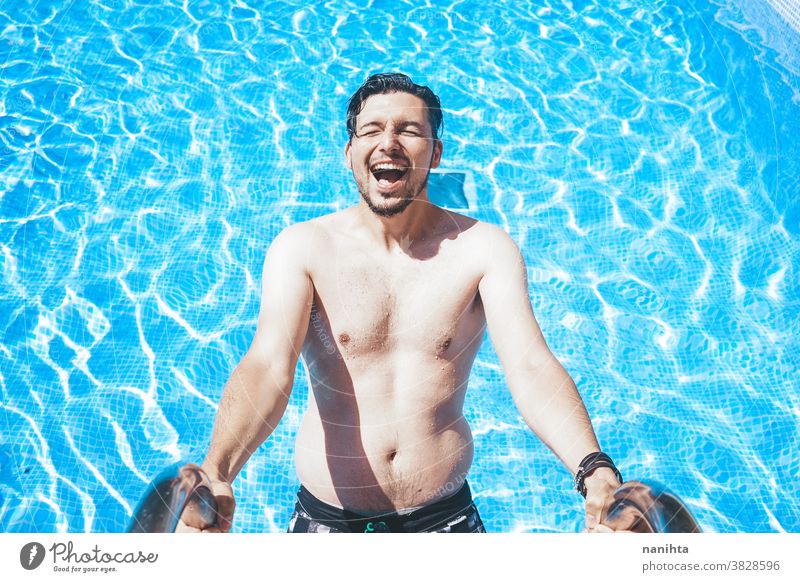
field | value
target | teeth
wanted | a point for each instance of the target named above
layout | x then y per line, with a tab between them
386	166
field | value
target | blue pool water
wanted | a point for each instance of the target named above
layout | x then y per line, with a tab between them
643	154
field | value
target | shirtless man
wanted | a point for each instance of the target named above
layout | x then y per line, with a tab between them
388	301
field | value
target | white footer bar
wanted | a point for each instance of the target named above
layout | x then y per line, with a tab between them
416	557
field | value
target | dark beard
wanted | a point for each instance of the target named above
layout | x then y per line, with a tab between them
395	210
387	212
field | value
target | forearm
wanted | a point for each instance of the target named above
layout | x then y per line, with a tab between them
549	402
252	405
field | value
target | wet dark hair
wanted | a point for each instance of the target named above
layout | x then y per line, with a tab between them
393	83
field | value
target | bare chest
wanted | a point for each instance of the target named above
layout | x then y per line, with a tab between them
366	304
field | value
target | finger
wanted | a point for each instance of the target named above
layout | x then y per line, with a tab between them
191	518
591	521
226	505
594	511
195	514
182	527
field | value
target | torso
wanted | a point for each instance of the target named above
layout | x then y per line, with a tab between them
389	348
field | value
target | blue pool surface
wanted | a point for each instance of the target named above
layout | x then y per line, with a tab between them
643	154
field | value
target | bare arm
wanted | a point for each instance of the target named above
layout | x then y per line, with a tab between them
542	389
258	390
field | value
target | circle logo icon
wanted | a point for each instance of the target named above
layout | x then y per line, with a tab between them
31	555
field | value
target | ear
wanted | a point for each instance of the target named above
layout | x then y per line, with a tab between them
348	159
437	153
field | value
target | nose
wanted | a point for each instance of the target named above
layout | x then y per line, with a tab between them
388	141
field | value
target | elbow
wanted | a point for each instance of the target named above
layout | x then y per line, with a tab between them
537	376
263	379
279	369
528	370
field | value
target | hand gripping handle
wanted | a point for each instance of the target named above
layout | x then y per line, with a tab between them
169	494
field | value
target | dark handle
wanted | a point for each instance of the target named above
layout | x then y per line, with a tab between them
168	495
648	507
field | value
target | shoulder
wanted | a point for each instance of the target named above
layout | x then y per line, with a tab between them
319	229
289	240
291	246
491	233
296	234
475	230
494	252
305	243
491	243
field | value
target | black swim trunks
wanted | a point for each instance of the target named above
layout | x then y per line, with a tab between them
453	514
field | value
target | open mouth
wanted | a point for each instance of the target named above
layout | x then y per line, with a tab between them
388	174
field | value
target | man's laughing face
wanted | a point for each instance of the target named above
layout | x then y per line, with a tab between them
392	151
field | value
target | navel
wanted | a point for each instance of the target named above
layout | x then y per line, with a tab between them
344	338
